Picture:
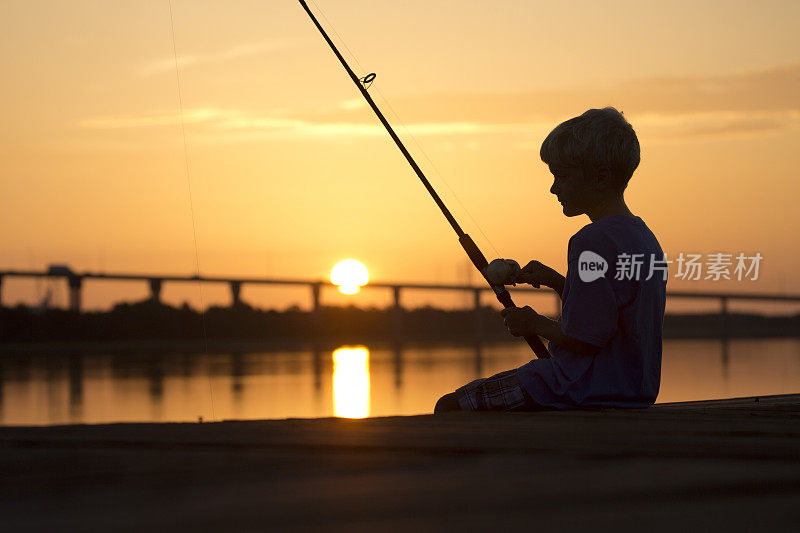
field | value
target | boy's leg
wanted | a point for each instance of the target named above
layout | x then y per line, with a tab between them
500	392
448	402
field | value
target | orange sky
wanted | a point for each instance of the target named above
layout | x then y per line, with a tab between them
290	172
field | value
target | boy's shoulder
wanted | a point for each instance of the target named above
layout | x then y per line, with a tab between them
598	232
613	233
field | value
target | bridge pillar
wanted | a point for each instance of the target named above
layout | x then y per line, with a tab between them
478	359
724	314
75	282
317	365
236	291
155	290
477	319
398	364
75	385
316	289
397	314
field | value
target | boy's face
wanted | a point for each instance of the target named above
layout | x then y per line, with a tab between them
574	191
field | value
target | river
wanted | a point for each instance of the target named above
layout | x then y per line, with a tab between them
350	381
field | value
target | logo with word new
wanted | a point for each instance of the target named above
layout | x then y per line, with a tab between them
591	266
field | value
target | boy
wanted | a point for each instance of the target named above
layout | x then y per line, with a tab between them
606	350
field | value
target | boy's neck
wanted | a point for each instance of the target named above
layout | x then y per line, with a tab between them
612	206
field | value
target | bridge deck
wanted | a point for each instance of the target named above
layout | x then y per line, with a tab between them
710	465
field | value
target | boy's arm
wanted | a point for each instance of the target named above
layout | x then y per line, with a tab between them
558	284
551	330
538	274
524	321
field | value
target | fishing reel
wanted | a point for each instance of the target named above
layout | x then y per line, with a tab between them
502	272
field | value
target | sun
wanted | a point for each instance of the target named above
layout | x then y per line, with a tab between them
349	275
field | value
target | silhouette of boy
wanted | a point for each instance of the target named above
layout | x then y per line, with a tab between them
606	349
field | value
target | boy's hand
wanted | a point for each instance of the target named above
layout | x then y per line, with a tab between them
536	274
520	321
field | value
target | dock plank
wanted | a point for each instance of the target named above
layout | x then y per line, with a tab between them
714	465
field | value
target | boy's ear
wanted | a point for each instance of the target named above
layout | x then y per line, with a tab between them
603	178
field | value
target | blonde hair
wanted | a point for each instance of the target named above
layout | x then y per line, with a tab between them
599	138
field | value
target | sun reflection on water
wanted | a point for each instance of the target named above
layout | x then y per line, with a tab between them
351	382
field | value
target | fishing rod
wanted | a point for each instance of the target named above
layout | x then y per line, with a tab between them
469	246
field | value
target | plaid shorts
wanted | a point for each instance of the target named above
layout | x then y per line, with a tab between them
501	392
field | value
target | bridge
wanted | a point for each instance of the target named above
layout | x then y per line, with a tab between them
75	280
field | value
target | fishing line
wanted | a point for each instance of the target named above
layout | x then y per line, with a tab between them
470	248
191	203
436	171
406	130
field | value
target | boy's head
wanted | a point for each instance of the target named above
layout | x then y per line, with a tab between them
592	157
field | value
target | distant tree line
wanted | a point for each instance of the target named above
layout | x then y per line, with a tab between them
148	320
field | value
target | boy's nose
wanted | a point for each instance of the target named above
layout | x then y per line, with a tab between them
553	189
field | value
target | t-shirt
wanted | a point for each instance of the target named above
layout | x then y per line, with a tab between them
618	310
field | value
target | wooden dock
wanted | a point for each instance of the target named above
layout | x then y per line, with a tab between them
727	465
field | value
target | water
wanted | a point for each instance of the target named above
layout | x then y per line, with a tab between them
350	381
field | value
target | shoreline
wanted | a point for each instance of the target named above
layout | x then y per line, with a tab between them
217	346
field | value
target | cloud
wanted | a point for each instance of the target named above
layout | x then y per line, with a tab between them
759	91
661	109
668	108
233	124
714	124
167	64
190	116
353	103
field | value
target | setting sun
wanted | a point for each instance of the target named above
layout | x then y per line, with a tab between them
349	275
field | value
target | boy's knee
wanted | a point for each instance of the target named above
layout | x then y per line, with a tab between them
448	402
